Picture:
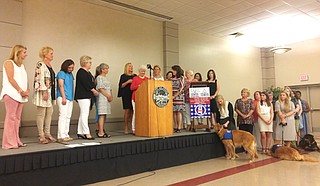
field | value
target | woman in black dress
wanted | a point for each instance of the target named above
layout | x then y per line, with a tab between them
214	91
125	93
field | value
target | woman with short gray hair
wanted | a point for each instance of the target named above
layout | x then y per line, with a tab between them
103	99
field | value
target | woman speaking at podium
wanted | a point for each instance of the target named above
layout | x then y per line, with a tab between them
136	82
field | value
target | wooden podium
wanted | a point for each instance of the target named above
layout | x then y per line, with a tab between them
152	120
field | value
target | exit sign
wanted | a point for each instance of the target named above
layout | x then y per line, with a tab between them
304	77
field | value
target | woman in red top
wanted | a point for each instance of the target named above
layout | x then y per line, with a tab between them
136	81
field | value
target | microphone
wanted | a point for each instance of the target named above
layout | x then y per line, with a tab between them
149	67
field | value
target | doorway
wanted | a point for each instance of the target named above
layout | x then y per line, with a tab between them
311	93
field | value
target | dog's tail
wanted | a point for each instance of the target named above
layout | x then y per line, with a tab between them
310	159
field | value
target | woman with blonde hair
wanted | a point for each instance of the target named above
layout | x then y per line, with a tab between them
225	113
85	96
244	108
157	73
285	124
186	113
14	93
126	95
44	94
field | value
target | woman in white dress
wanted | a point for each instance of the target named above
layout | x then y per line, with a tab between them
265	121
104	98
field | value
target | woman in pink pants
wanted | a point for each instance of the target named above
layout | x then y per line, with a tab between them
14	93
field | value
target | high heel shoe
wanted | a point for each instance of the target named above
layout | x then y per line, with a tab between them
105	135
84	136
81	136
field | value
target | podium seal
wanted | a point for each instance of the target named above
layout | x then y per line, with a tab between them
161	96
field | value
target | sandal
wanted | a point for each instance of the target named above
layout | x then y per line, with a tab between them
43	140
50	138
23	145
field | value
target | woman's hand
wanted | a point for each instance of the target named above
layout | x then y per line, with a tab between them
24	94
95	92
64	101
109	97
225	125
45	96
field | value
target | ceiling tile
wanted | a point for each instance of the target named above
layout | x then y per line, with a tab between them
153	2
314	12
241	6
225	12
144	5
214	8
268	5
171	5
262	15
236	16
185	9
211	17
200	14
253	10
309	7
297	3
281	9
197	23
200	4
256	2
227	3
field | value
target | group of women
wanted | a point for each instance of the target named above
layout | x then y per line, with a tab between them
280	120
90	90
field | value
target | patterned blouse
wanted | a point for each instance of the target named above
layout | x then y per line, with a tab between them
244	107
43	80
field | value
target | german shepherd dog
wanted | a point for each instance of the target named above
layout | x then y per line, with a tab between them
240	138
288	153
308	143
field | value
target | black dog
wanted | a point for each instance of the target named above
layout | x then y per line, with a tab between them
308	143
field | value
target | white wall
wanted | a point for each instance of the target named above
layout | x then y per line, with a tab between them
304	58
74	28
236	66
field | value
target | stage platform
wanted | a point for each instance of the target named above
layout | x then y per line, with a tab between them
91	161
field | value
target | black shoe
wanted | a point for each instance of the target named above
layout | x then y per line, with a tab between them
92	138
105	135
81	136
84	137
